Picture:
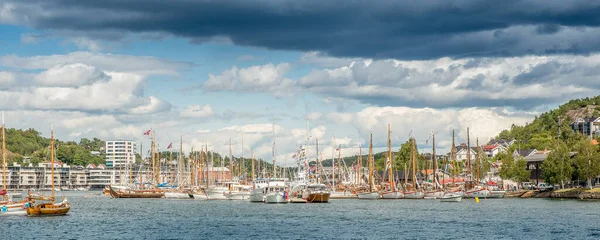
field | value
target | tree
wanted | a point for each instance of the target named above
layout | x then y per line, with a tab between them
587	160
557	168
508	163
403	157
520	172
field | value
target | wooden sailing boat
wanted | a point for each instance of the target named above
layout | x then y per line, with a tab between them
50	208
318	193
473	189
454	188
435	192
393	192
413	193
452	194
143	193
372	193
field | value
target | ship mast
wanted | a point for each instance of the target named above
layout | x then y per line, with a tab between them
318	162
453	156
391	167
155	165
414	163
231	161
252	153
273	151
142	162
51	158
469	176
477	156
371	163
435	162
180	163
359	170
4	158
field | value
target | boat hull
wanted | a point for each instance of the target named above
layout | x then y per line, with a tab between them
177	195
434	194
136	194
275	198
414	195
321	197
16	212
49	209
199	196
392	195
369	195
257	197
496	194
237	196
480	193
451	198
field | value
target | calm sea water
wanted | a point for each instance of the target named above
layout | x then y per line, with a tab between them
101	217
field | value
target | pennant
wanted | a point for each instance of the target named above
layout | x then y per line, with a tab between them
147	132
170	146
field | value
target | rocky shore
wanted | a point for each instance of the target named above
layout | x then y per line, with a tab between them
573	193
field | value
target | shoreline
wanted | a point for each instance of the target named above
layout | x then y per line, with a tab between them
569	193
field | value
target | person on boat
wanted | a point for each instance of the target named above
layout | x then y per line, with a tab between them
4	209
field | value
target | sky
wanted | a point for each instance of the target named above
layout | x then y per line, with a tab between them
292	72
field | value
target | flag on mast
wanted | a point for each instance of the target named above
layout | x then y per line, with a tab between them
147	132
427	140
170	146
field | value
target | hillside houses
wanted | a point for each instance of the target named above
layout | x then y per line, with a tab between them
587	126
493	148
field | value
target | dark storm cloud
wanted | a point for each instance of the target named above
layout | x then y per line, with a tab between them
376	29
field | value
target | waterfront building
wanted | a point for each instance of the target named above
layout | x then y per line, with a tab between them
94	177
120	153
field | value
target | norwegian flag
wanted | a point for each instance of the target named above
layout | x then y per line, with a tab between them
170	146
147	132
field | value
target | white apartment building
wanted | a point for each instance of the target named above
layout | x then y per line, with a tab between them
120	153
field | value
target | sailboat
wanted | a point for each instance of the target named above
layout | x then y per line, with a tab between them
142	193
372	193
259	185
276	188
393	193
475	190
413	193
453	194
317	193
8	207
179	193
50	208
435	192
237	191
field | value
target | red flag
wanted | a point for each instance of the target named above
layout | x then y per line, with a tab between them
2	192
170	145
294	156
147	132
